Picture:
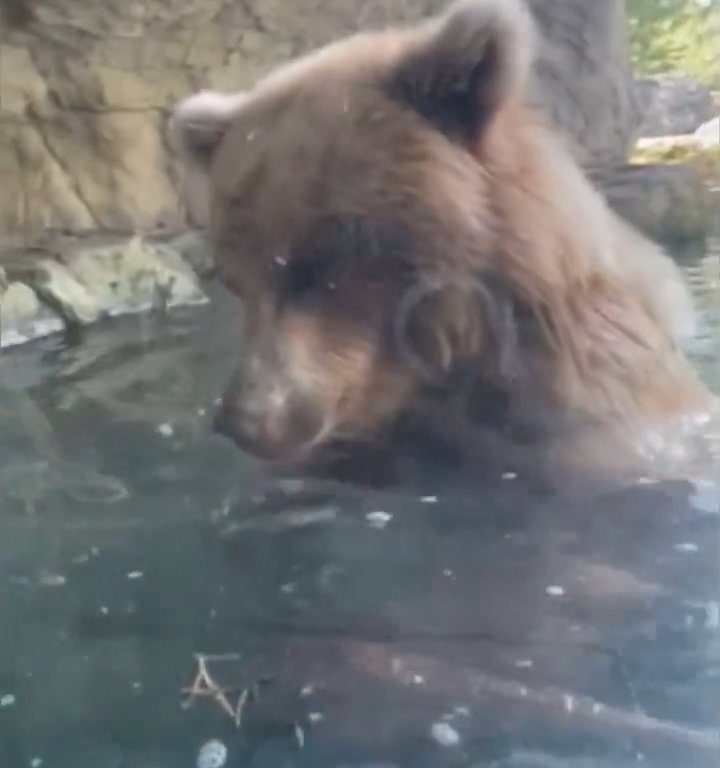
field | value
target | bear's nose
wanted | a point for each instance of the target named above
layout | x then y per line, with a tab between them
275	434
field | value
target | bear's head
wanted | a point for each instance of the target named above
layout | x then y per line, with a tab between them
350	211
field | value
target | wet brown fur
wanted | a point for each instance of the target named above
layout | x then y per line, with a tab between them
326	172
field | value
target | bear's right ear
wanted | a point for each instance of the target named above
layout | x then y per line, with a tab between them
463	67
199	122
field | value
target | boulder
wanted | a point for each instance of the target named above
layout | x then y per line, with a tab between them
87	87
669	202
708	134
672	105
22	316
85	281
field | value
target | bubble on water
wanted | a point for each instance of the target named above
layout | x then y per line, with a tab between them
686	547
378	519
52	580
555	591
445	735
166	430
8	700
212	754
429	499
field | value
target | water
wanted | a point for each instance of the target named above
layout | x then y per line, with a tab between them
429	624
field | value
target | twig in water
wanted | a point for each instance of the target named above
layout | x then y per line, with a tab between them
204	686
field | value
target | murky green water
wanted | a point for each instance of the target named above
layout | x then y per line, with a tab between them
429	625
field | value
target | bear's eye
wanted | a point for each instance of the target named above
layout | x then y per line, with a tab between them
306	275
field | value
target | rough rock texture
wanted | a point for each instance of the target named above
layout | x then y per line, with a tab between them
85	90
75	282
22	316
709	133
583	76
668	202
672	105
86	87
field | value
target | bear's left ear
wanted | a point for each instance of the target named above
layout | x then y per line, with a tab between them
199	122
464	66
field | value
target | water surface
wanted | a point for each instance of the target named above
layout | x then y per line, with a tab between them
432	624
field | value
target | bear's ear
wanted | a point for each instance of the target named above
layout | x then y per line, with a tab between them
199	122
464	66
445	327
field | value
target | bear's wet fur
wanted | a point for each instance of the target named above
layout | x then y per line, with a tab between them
410	240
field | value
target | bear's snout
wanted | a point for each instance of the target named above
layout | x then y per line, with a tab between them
268	418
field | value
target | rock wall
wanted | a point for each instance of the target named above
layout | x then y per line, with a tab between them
85	88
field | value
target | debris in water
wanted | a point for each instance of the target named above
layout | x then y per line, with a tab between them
240	709
52	580
378	519
712	611
299	736
308	690
166	430
316	717
524	664
213	754
283	521
134	575
104	610
510	476
687	547
204	686
555	591
8	700
429	499
36	762
445	735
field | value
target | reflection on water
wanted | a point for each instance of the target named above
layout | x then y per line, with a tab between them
437	623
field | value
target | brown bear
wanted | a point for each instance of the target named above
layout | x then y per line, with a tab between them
407	237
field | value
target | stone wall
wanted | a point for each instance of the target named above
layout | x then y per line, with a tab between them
85	88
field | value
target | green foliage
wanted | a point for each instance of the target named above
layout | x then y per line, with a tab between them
676	36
